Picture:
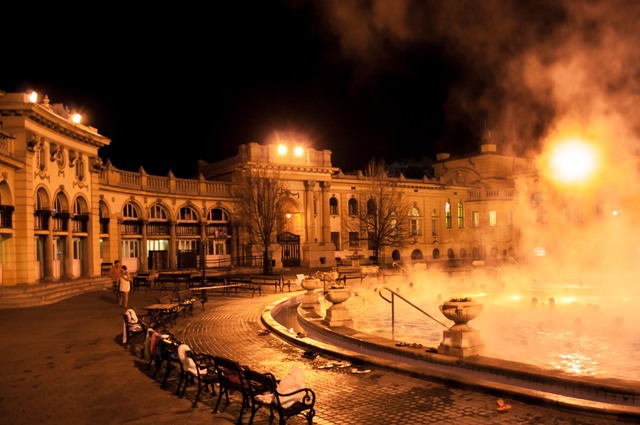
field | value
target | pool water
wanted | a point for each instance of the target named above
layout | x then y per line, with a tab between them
573	331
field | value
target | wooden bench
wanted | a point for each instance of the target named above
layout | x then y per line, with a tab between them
239	282
277	282
176	278
346	273
263	392
144	279
164	310
186	298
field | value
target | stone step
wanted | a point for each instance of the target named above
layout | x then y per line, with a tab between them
21	296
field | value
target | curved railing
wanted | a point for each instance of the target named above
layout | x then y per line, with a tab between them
391	301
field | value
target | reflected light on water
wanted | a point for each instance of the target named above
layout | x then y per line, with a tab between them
555	325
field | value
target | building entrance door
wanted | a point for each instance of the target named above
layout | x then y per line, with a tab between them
290	249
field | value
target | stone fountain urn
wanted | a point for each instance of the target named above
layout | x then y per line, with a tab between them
337	314
461	340
311	298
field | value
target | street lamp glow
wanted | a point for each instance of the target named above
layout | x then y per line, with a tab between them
298	151
76	118
573	161
282	149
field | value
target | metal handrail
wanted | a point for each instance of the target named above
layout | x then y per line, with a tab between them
392	302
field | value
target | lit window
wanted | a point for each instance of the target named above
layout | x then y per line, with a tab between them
460	215
447	214
415	222
493	218
476	218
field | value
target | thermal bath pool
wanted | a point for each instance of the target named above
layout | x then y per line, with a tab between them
566	325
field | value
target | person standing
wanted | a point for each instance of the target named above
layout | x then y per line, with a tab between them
125	286
114	273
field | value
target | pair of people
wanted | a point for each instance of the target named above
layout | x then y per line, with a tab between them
121	279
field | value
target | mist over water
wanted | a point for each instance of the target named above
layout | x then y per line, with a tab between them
541	74
570	324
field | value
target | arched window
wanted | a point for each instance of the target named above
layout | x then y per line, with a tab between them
353	206
371	207
333	206
188	214
77	206
129	211
460	215
416	254
434	223
435	254
447	214
156	212
218	226
218	214
415	222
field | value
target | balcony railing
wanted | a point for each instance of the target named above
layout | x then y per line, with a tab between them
218	231
104	225
188	229
42	219
111	176
6	216
79	224
131	228
157	229
60	222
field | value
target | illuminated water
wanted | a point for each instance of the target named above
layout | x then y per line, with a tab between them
572	327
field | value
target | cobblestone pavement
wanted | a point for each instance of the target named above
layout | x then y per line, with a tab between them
65	364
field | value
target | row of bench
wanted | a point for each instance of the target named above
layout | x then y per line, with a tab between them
254	283
256	390
169	306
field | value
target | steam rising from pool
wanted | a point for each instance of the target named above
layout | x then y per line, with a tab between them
571	324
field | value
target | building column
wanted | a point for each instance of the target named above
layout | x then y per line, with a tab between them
310	222
48	254
68	259
172	245
144	252
326	225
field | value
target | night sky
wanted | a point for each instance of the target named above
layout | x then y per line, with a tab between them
386	79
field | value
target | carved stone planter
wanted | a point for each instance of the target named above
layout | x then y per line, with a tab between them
311	299
338	314
461	312
461	340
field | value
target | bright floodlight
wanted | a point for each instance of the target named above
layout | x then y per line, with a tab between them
298	151
33	96
282	149
572	161
76	118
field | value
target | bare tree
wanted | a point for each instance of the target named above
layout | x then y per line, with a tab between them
260	192
384	217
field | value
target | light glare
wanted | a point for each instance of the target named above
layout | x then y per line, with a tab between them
572	161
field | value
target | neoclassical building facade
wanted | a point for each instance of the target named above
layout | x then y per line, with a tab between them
63	212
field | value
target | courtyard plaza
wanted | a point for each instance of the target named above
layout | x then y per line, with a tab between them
64	363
